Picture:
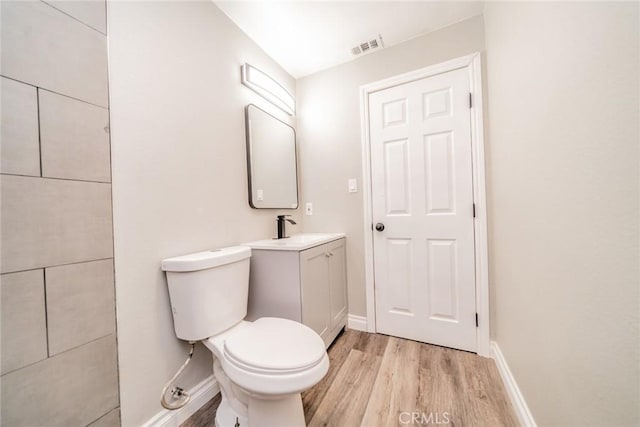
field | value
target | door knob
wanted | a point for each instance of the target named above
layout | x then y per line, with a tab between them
380	226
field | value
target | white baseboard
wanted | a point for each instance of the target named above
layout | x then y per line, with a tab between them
359	323
517	400
200	394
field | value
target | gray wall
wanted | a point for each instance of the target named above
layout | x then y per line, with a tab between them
59	364
179	173
563	205
328	121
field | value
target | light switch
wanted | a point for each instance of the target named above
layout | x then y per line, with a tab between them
353	185
260	195
308	209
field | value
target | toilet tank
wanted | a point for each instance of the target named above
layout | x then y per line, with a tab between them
208	291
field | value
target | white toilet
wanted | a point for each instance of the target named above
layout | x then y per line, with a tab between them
262	366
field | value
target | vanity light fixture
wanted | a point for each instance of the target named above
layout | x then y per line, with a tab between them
268	88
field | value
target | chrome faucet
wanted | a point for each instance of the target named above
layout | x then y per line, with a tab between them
281	222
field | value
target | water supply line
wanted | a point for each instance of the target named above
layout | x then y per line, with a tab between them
179	396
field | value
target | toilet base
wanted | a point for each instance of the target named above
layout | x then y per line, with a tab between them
281	411
238	407
227	417
276	412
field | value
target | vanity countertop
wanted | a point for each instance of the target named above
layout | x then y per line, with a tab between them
297	242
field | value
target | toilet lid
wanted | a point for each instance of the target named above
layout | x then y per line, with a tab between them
275	344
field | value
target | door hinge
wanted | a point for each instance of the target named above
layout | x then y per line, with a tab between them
476	320
470	101
474	210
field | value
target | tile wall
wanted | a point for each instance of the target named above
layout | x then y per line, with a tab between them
58	336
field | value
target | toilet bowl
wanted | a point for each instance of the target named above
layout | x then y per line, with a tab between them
261	366
265	365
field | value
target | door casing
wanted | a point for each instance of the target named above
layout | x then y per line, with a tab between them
473	64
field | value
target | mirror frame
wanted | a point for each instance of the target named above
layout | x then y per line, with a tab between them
248	148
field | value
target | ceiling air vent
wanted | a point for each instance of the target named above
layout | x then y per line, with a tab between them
368	46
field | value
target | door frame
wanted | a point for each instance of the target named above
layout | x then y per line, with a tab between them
474	64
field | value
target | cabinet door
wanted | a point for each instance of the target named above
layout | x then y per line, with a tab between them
337	281
314	274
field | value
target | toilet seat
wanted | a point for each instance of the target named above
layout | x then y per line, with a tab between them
274	346
271	356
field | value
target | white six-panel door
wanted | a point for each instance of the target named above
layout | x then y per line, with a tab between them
422	193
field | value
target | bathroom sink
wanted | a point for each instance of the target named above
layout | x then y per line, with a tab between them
297	242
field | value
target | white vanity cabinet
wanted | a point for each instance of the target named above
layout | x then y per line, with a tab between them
304	282
323	289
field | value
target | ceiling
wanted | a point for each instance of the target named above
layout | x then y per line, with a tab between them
308	36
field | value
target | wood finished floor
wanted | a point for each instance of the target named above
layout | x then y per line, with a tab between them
375	378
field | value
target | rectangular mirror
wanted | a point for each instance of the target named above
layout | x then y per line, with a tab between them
271	161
